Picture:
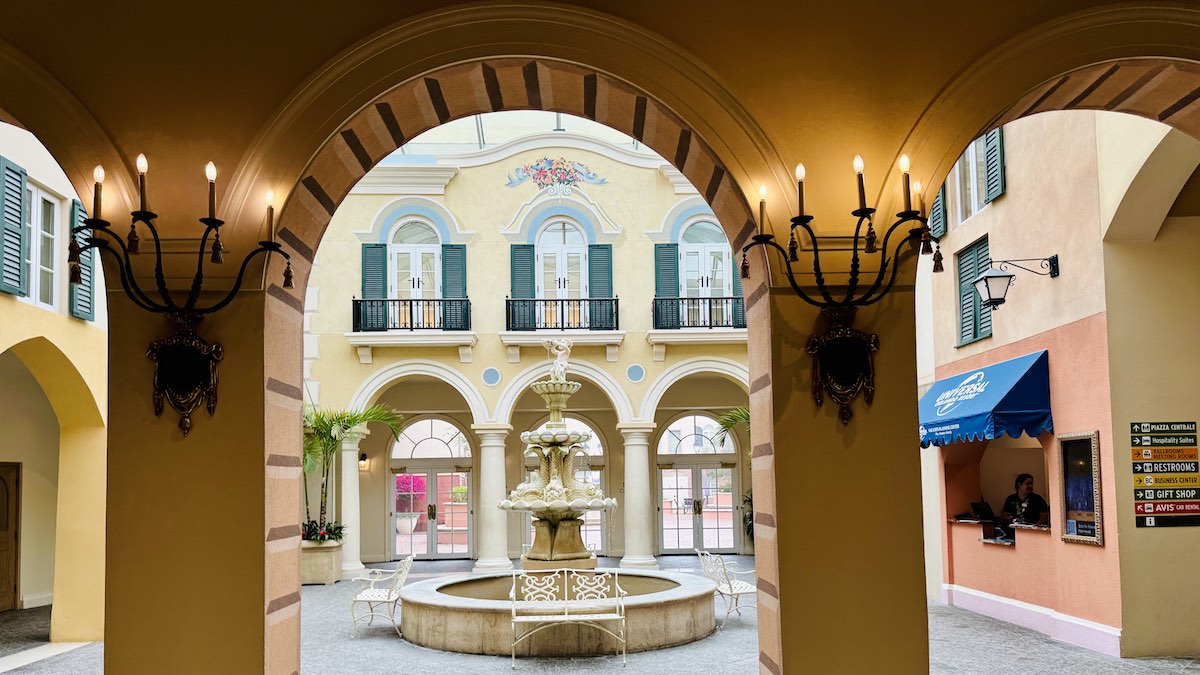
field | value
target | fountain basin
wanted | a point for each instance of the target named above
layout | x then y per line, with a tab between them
472	614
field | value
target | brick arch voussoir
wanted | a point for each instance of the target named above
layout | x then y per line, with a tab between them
1164	90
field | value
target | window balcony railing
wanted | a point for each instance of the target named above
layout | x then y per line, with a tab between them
699	313
559	314
395	314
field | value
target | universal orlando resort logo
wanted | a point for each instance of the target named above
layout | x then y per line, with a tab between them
971	386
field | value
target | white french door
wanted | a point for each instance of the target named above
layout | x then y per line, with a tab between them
430	514
416	276
706	275
562	276
697	509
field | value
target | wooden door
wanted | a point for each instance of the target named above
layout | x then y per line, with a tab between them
9	522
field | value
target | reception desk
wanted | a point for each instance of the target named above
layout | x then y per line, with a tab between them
1017	569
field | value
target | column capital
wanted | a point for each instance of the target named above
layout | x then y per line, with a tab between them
491	431
352	438
630	428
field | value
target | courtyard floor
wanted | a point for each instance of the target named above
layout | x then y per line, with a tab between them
960	643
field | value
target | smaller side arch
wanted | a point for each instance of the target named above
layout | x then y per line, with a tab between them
732	370
607	384
1152	190
369	391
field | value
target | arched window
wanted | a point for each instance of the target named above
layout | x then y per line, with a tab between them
562	262
695	435
431	438
415	252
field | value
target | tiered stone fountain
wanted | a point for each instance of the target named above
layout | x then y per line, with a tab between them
552	494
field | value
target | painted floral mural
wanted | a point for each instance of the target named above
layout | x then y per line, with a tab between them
556	176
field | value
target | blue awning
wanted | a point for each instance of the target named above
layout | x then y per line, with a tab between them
1005	398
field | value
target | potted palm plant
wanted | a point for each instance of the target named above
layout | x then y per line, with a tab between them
730	421
324	432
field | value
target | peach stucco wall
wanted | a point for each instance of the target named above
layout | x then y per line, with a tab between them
1075	579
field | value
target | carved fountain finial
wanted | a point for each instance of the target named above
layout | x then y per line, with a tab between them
560	349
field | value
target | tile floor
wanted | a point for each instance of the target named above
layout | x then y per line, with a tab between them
960	643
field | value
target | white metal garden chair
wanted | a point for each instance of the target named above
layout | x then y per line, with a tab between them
731	590
379	591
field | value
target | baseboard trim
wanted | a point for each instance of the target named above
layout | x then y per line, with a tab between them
36	600
1073	630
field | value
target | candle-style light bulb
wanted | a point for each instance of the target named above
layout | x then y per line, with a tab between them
862	190
800	174
142	167
762	208
98	176
210	172
904	166
271	213
916	186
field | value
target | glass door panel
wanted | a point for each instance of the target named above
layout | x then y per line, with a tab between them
453	516
677	529
716	518
427	289
721	312
410	515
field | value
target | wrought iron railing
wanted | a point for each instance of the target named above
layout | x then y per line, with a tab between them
395	314
559	314
699	313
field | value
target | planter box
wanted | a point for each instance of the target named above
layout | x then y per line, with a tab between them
320	562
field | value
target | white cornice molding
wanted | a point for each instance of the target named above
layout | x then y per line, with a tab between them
420	179
680	182
366	342
697	336
549	142
534	338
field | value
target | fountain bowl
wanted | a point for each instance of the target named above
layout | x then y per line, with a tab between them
472	614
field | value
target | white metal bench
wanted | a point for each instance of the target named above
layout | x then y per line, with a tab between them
545	598
731	590
380	588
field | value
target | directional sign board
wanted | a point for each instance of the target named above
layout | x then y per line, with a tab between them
1166	474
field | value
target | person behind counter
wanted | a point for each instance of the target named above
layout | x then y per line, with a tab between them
1025	505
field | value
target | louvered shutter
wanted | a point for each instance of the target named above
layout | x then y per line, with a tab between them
83	299
455	310
739	301
983	326
937	214
666	285
993	149
967	297
373	308
600	287
522	315
13	238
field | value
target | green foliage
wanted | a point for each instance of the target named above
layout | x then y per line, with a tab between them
324	431
730	421
748	513
458	494
314	531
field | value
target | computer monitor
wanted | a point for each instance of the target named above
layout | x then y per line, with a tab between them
983	511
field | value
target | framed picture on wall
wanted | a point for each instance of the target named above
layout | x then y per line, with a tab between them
1079	456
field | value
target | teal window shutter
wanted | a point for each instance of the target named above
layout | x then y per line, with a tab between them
374	315
374	271
739	301
975	318
523	315
993	150
937	214
666	285
523	284
13	239
83	294
600	286
455	310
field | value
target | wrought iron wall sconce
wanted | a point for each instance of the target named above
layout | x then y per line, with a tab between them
843	357
185	365
363	462
993	284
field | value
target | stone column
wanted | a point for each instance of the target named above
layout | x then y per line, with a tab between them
490	522
351	544
636	502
